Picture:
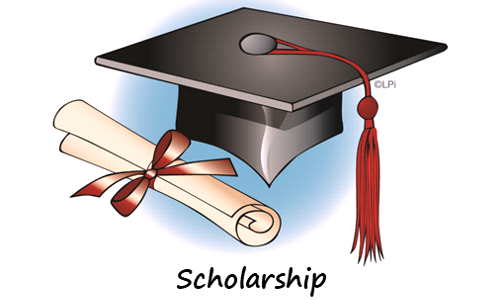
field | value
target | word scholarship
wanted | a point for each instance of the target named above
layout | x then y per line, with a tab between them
254	280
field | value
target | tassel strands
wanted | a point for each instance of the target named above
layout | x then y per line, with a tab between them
368	185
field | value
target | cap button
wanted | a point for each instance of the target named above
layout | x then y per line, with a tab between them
367	108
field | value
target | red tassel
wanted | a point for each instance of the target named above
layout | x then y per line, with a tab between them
368	166
368	185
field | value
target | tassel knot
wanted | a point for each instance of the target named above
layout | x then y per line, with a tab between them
368	107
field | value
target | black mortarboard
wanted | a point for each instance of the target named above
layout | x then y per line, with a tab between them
246	86
264	109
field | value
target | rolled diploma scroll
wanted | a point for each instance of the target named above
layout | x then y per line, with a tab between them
98	139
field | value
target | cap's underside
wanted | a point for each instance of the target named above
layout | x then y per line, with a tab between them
265	138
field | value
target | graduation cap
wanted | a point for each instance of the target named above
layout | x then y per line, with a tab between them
266	87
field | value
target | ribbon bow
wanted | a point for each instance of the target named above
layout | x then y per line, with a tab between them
168	149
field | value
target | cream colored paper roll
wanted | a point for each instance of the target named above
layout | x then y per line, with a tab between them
98	139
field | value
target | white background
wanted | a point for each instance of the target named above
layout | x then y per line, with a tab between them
440	200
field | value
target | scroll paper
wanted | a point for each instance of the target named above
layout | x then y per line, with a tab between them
98	139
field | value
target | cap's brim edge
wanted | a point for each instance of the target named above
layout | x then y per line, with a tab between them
257	99
194	84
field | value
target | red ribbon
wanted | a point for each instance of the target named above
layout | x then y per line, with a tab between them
168	149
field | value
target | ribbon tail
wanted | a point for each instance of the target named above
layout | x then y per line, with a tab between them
207	167
128	198
99	186
367	188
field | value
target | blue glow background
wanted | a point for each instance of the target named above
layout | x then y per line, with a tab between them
305	193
